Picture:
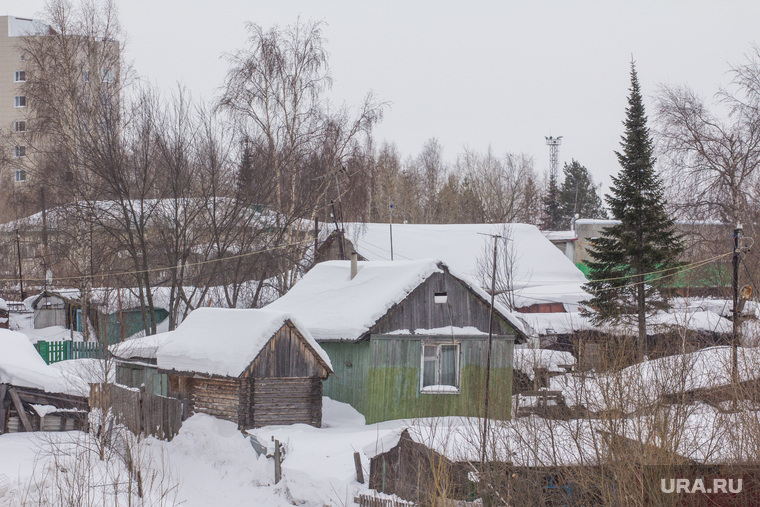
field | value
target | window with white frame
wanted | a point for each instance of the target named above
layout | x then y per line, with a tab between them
440	368
20	176
19	76
19	126
19	151
19	101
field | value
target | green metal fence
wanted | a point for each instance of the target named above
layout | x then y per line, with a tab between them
54	352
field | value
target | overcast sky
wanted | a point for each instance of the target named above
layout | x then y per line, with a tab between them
473	74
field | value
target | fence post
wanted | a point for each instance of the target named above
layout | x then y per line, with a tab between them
44	349
141	410
277	462
68	347
358	465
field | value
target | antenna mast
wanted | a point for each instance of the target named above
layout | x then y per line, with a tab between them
553	144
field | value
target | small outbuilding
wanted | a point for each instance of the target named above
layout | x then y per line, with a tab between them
252	367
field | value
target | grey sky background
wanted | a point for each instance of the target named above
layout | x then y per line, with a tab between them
473	74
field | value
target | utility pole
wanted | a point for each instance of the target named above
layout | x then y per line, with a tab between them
736	311
18	253
339	231
488	353
390	224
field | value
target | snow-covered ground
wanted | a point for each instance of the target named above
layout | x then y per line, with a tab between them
209	462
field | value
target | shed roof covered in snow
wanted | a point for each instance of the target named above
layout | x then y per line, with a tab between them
221	341
22	365
541	273
337	308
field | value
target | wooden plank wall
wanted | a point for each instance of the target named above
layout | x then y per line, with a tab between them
287	401
287	355
141	412
420	311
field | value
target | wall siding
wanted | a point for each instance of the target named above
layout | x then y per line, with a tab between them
380	377
286	355
383	381
420	311
283	385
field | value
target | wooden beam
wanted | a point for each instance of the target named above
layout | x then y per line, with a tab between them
3	388
20	409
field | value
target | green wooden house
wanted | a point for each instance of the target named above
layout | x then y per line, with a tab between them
406	338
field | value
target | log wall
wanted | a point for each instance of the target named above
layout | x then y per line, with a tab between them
287	401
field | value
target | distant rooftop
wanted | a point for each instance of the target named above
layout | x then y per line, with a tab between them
19	27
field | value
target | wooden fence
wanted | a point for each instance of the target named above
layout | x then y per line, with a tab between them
54	352
374	501
141	412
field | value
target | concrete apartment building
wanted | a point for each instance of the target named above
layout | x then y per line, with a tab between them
14	107
73	104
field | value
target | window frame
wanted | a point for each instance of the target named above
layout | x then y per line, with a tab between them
437	388
17	124
19	151
19	101
19	76
19	176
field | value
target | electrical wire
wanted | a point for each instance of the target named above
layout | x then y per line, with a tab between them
164	268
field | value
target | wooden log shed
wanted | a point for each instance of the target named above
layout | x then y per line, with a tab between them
251	367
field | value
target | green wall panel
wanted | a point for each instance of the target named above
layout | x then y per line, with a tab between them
381	378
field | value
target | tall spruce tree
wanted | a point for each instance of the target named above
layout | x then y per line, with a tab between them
625	258
552	215
578	195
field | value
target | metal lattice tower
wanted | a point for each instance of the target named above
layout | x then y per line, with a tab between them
553	143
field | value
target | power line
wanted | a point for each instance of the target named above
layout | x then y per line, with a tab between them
164	268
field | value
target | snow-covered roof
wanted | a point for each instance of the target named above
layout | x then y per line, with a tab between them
111	300
560	235
529	441
221	341
336	308
145	347
145	209
22	365
541	273
643	384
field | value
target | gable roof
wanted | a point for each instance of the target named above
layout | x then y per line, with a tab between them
222	341
542	273
336	308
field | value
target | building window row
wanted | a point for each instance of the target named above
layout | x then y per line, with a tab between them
19	76
20	100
